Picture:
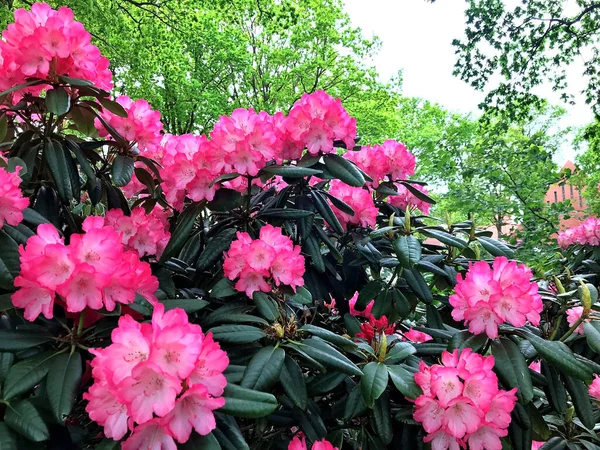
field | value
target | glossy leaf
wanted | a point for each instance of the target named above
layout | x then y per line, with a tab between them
373	382
404	381
247	403
122	170
182	231
58	101
215	247
328	356
264	369
293	383
24	418
408	250
62	384
26	374
344	170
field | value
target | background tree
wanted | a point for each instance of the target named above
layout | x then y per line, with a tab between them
194	60
529	44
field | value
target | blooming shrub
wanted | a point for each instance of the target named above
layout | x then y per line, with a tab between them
586	233
266	286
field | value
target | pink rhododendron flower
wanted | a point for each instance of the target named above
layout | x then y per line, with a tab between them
417	336
165	369
355	312
147	234
573	315
536	445
488	297
151	435
93	271
390	161
461	402
586	233
252	262
12	202
536	366
316	120
406	199
361	202
594	389
299	443
246	140
46	43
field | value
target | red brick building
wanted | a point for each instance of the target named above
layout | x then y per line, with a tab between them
562	191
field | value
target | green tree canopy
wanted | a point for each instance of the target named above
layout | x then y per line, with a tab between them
527	44
194	60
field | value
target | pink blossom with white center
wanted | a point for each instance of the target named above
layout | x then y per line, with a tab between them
12	202
151	435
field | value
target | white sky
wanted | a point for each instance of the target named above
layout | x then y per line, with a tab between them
417	38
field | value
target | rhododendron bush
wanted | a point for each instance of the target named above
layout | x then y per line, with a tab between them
268	285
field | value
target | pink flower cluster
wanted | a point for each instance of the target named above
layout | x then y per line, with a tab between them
165	376
254	262
45	43
488	297
12	202
390	161
316	120
147	234
594	389
416	336
190	164
93	271
299	443
406	199
246	140
461	402
141	127
366	313
586	233
361	202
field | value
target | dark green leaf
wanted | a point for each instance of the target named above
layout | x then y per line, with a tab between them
284	213
561	357
417	193
237	334
291	171
382	419
9	264
293	383
355	404
342	206
113	107
444	237
512	369
122	170
189	305
325	354
373	382
539	427
325	383
32	217
408	250
27	373
399	352
554	389
464	339
352	324
183	229
57	163
247	403
215	247
581	401
228	433
417	284
404	381
555	443
369	292
263	369
592	335
340	341
311	245
62	384
223	288
326	212
8	438
6	362
266	305
12	340
25	419
58	101
3	127
197	442
344	170
75	81
225	200
496	248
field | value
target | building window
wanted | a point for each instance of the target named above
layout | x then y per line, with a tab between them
571	189
555	197
563	192
580	201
